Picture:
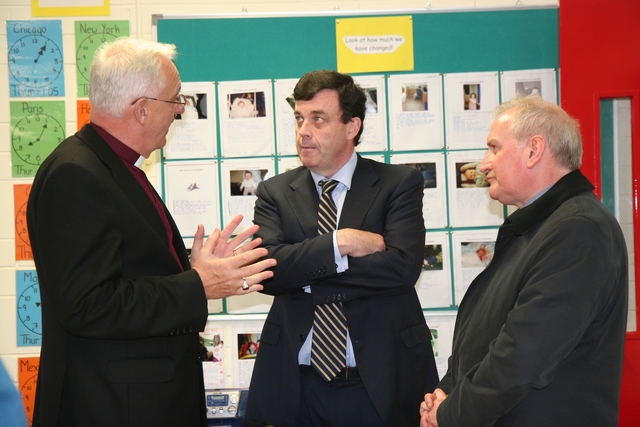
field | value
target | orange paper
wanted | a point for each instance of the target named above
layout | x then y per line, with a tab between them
27	380
23	244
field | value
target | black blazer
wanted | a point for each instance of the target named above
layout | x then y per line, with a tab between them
390	336
120	317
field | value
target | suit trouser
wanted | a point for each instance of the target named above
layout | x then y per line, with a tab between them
338	403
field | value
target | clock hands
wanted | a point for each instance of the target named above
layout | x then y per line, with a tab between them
44	127
42	51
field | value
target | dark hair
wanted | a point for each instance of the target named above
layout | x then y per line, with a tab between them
351	96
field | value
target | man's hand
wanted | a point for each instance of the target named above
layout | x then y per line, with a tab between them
358	243
224	274
429	408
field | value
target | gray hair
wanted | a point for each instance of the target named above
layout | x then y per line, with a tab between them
531	115
125	70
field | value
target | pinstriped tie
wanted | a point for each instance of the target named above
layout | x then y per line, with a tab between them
329	342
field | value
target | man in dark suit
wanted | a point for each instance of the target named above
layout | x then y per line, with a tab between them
539	336
122	303
368	267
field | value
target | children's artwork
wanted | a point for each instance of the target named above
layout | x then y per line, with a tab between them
246	118
469	201
192	134
529	82
470	99
415	112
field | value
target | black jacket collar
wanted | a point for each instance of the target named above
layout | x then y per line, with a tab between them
568	186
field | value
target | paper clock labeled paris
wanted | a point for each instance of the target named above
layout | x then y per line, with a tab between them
29	315
89	36
36	61
37	127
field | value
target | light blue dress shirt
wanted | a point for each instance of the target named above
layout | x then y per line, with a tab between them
344	176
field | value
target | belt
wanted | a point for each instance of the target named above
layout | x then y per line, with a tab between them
346	374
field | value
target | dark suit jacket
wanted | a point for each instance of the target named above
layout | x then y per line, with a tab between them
120	318
390	336
539	337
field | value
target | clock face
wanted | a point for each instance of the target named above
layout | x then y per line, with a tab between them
29	311
35	136
35	62
87	48
28	393
21	225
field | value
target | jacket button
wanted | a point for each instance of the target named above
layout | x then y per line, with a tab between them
328	299
301	337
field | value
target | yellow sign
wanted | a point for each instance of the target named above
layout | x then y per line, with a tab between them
70	7
367	45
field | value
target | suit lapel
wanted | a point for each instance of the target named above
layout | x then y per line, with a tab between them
304	202
125	180
361	195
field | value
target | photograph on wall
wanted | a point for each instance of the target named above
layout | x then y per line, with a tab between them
244	348
469	201
441	326
469	102
191	195
192	134
529	82
434	203
472	251
415	112
434	283
374	134
212	355
285	119
246	118
240	179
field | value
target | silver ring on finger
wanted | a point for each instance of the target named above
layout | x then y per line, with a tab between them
245	285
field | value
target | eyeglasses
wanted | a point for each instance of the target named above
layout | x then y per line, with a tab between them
182	100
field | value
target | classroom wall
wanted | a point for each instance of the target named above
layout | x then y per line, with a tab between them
138	13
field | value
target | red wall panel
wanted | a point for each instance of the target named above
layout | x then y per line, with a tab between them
600	58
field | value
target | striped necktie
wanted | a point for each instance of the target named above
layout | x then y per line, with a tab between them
329	342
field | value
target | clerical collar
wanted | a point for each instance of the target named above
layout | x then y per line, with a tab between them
126	153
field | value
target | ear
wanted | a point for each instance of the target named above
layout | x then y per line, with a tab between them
141	110
354	127
536	147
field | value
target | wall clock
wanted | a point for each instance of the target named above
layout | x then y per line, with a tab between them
37	127
89	36
35	58
28	306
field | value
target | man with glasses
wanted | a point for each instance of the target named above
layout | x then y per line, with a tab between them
122	301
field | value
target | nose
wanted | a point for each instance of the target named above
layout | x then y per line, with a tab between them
486	162
303	128
180	108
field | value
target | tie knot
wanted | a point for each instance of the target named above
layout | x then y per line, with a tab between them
328	185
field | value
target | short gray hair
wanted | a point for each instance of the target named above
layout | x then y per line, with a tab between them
531	115
124	70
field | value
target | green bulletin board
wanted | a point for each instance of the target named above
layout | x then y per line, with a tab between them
267	47
236	48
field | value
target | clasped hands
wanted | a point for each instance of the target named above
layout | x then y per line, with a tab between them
429	408
226	266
